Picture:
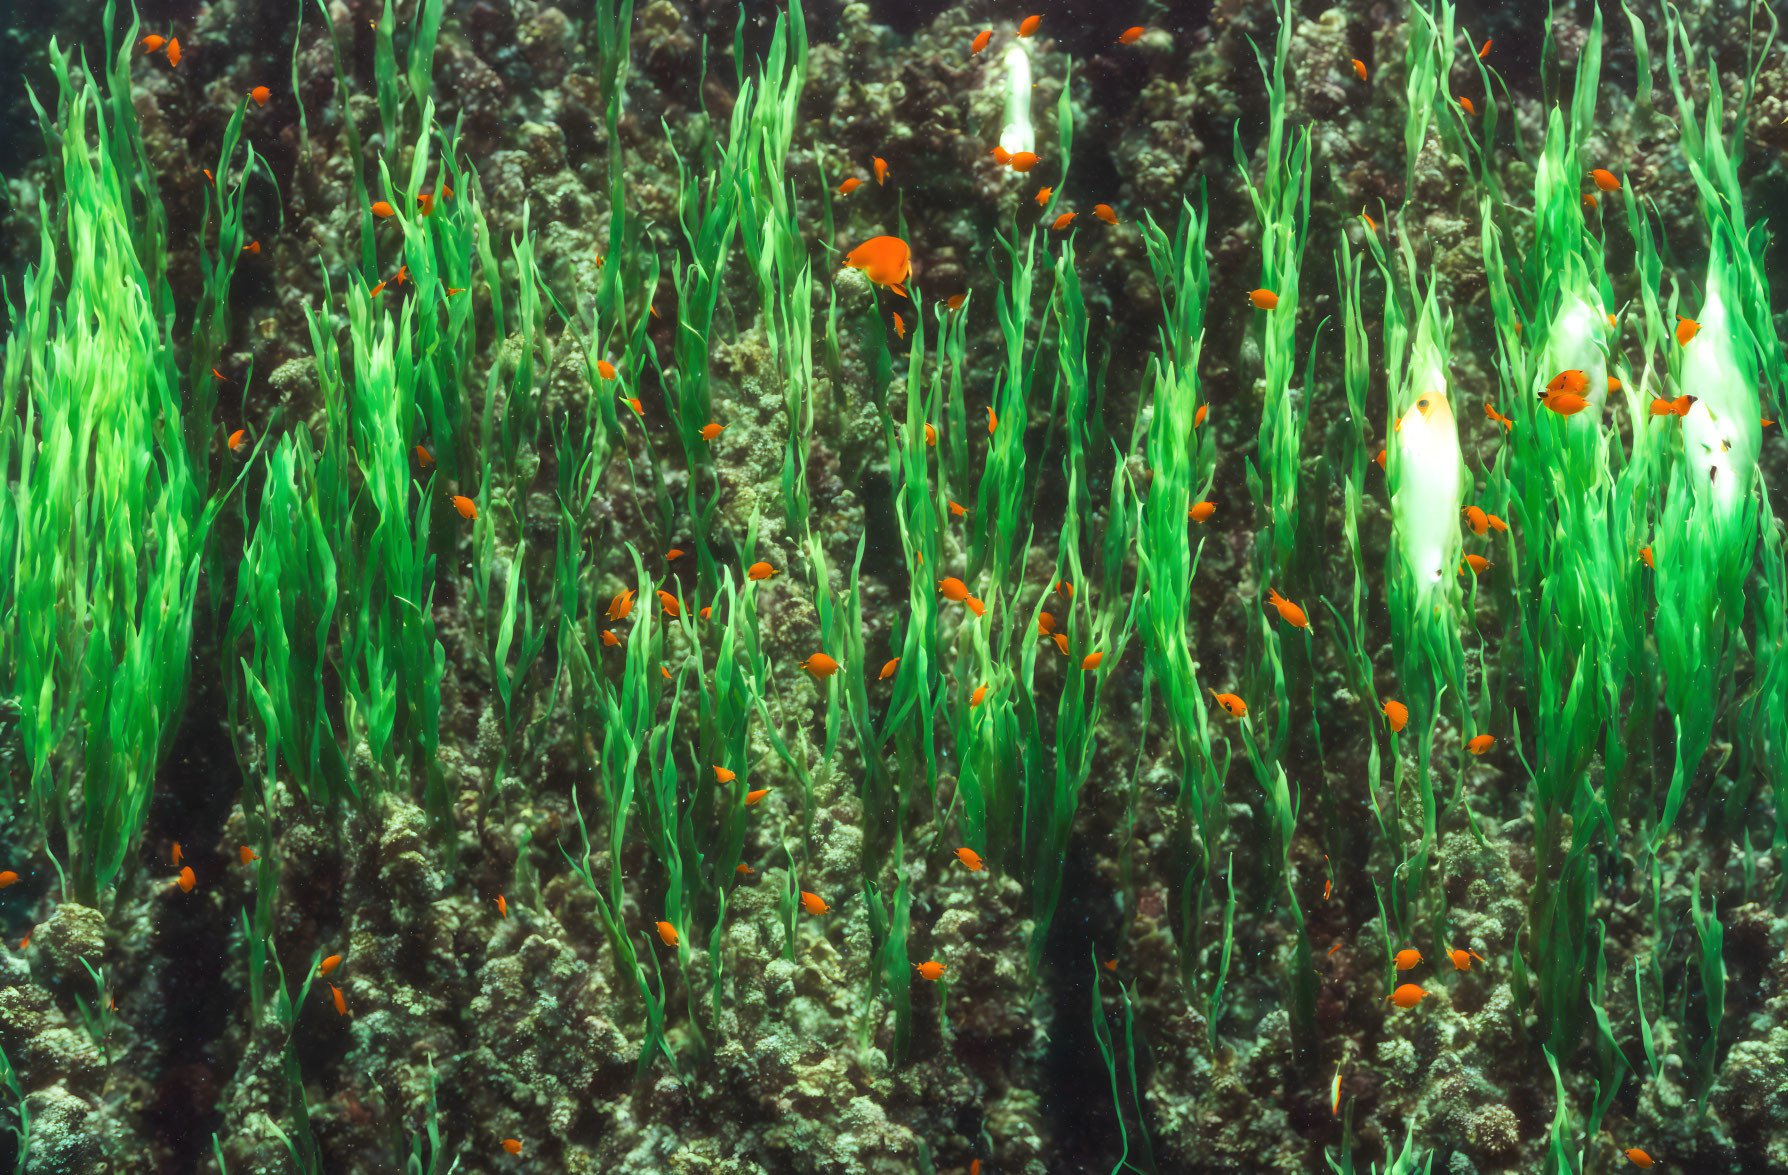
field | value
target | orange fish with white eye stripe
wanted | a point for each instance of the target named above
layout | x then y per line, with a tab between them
1232	705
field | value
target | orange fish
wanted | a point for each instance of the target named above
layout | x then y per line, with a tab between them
979	696
1263	299
1407	996
1477	520
1408	959
712	430
1064	220
426	202
881	170
1235	707
723	775
752	797
260	94
1061	642
1370	223
888	669
1045	623
743	870
1484	50
1677	407
177	853
621	605
1645	554
403	274
1198	416
25	942
605	369
1566	403
186	880
952	589
886	261
466	507
1466	103
174	51
1686	329
1023	161
253	247
848	186
954	302
899	327
451	291
813	903
970	859
1379	460
1001	156
993	421
1613	384
1480	744
1104	212
760	571
1359	68
668	933
1064	589
931	436
610	639
1495	522
1028	25
512	1145
706	611
248	855
958	509
1396	713
502	906
236	439
1288	611
1477	563
1091	661
820	665
1589	201
383	210
341	1005
1571	380
424	458
974	605
932	970
1462	959
1605	180
1130	35
376	290
633	403
328	965
8	878
152	42
670	605
980	42
664	670
1637	1157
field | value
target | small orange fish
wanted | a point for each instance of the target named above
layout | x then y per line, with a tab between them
1612	325
848	186
899	327
605	369
1379	460
743	870
1767	422
186	880
1395	713
672	555
253	247
761	570
1130	35
881	170
1462	959
705	612
152	42
248	855
993	421
813	903
974	605
1234	706
979	696
958	509
931	436
980	42
1061	642
1686	329
512	1145
1496	523
820	665
723	775
403	275
1328	888
712	430
668	933
1408	959
1198	416
1023	161
328	965
424	458
752	797
886	261
1571	380
1566	403
954	302
1064	220
1359	68
1477	520
1493	414
174	51
25	943
1480	744
621	605
1407	996
1466	103
1477	563
502	906
8	878
466	507
932	970
1045	623
888	669
1645	555
1091	661
632	402
1043	195
1263	299
610	639
1064	589
970	859
426	202
383	210
260	94
1484	50
1613	384
1605	180
1589	201
1370	223
376	290
1288	611
451	291
177	854
236	439
952	589
1104	212
669	603
1001	156
1637	1157
1028	25
341	1005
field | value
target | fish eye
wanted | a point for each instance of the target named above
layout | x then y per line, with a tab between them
1422	404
